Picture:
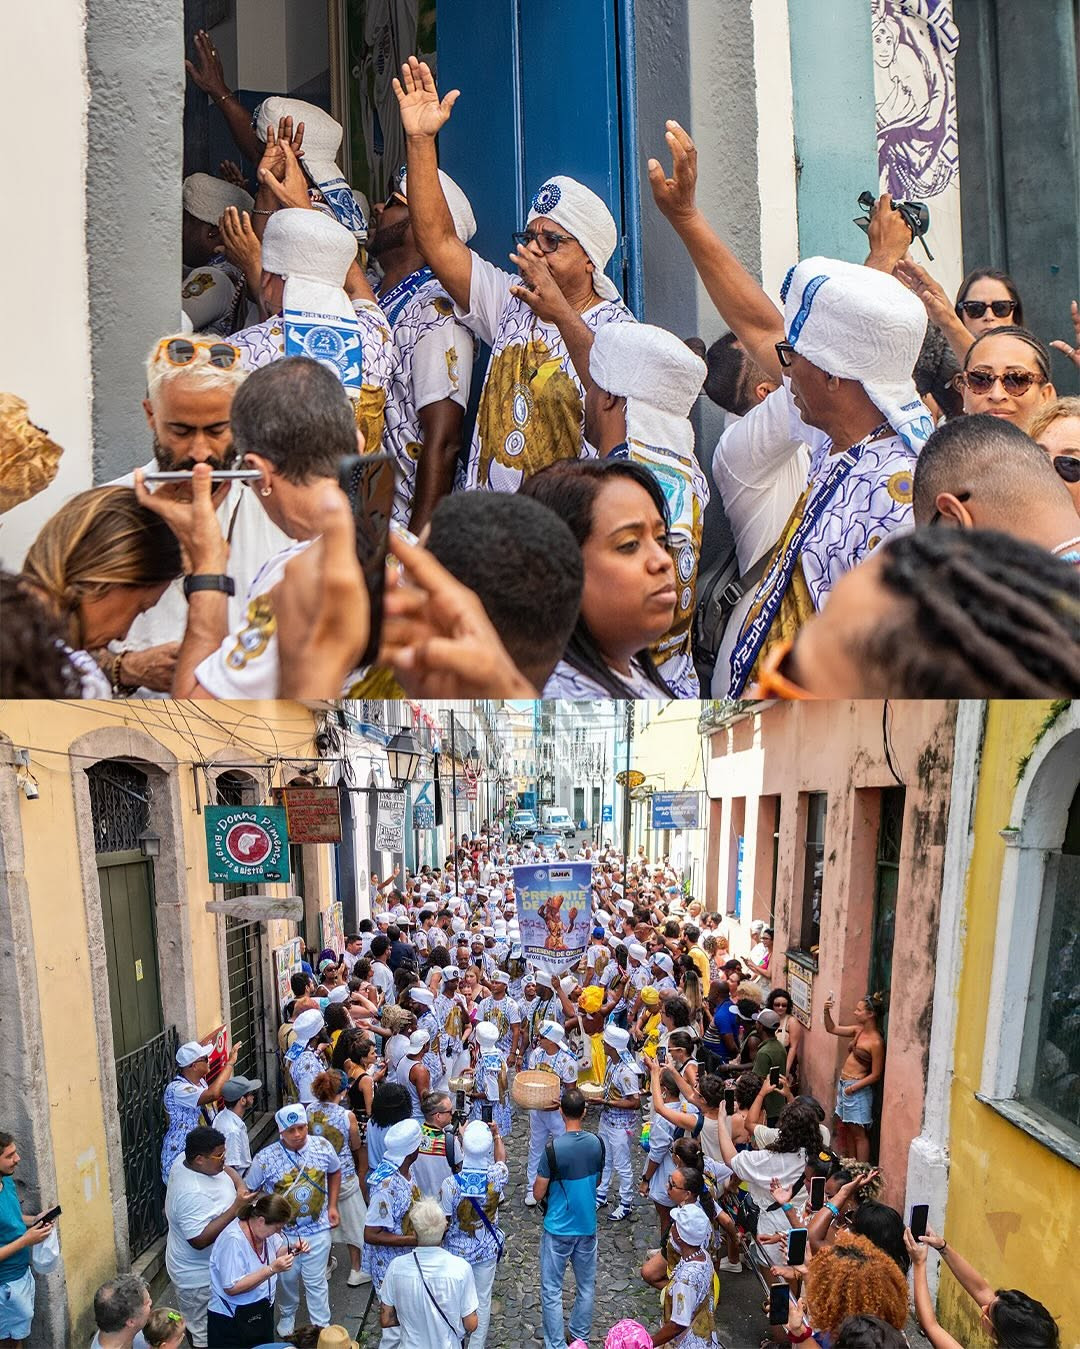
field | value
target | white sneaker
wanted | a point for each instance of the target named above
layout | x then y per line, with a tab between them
530	1200
730	1267
284	1330
601	1200
357	1277
620	1214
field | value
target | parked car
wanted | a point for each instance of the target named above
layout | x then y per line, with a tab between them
556	820
525	825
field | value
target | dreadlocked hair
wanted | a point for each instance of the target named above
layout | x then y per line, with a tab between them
982	615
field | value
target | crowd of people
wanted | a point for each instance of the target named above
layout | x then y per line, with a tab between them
412	1056
906	452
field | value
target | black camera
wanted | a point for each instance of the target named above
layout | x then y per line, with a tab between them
916	216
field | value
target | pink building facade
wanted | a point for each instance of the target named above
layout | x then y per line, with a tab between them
828	822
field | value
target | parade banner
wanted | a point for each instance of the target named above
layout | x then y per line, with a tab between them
554	912
246	844
287	960
390	822
220	1050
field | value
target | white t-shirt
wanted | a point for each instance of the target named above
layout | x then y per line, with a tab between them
758	1169
237	1142
246	664
232	1258
760	470
254	540
451	1283
191	1201
382	976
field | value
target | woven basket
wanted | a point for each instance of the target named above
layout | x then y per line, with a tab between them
462	1083
593	1093
536	1090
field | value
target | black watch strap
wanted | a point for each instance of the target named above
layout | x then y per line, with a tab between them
209	581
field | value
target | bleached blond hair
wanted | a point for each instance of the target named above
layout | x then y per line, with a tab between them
160	371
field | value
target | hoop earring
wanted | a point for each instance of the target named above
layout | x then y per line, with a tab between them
265	491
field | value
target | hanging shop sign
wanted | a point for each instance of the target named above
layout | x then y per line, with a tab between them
423	810
390	822
313	813
332	923
245	844
676	810
800	983
287	960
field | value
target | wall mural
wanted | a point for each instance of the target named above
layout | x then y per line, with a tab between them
915	43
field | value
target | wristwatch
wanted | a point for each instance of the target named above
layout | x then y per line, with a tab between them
209	581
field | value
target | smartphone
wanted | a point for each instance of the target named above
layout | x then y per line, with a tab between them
796	1246
661	1055
817	1193
779	1297
54	1213
774	1077
219	475
919	1213
487	1111
369	481
729	1101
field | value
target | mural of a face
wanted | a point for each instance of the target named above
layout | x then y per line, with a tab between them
886	40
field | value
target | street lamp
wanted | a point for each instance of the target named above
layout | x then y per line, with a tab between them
403	755
149	843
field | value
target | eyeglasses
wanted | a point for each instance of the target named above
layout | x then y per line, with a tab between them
977	308
547	240
181	351
1014	382
784	353
1067	467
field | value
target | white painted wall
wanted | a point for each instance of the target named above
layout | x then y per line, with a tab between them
775	143
45	339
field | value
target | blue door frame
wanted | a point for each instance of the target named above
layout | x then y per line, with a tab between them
534	104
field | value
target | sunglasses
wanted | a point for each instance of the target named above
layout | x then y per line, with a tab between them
977	308
1067	467
1014	382
181	351
547	240
784	353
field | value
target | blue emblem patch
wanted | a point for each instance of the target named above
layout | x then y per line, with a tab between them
547	198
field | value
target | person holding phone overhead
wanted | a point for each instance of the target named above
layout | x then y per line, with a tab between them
293	422
770	1062
862	1068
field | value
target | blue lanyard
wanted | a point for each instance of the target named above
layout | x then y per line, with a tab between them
395	300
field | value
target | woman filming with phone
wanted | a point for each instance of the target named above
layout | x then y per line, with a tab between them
245	1261
861	1070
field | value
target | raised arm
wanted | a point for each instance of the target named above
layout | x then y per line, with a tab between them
423	114
924	1303
830	1024
965	1274
738	297
207	73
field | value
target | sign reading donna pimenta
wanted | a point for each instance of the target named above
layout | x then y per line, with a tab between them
246	843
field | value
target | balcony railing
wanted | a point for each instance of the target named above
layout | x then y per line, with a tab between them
719	712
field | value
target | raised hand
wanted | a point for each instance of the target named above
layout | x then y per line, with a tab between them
889	233
240	243
539	290
423	113
280	172
232	173
1073	353
206	71
918	280
675	195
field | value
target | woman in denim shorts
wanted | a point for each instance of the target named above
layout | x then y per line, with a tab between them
863	1066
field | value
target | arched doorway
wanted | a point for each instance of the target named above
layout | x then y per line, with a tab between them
144	1048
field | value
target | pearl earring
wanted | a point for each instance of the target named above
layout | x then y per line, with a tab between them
265	491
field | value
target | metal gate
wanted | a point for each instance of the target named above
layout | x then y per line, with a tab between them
247	1012
141	1079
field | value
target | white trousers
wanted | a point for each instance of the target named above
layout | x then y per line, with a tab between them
311	1267
543	1124
484	1278
617	1144
193	1304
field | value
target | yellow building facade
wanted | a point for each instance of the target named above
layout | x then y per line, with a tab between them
667	750
81	1102
1014	1131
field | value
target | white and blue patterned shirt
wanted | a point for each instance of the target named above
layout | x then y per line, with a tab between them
391	1198
301	1177
466	1233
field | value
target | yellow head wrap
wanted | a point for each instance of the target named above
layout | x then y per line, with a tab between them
592	999
650	996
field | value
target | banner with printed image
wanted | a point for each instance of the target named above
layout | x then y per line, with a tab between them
554	912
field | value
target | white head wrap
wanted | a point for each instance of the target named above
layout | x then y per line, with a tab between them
400	1140
313	254
458	203
422	995
551	1030
322	141
206	197
308	1024
692	1224
657	374
487	1034
289	1116
858	323
340	994
580	212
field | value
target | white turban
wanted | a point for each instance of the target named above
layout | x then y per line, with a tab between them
657	374
460	210
322	140
206	197
692	1224
858	323
400	1140
313	254
581	213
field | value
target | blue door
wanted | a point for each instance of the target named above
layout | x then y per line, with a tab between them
540	95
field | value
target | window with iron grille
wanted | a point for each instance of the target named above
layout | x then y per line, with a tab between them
119	805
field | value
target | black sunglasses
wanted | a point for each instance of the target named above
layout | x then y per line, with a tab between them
548	240
784	353
977	308
1067	467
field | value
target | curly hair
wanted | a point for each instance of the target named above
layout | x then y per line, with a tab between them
395	1019
852	1278
798	1131
32	661
747	1086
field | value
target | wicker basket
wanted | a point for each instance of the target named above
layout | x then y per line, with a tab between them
536	1090
593	1093
462	1083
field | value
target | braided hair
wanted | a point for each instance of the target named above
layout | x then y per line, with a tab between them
990	615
